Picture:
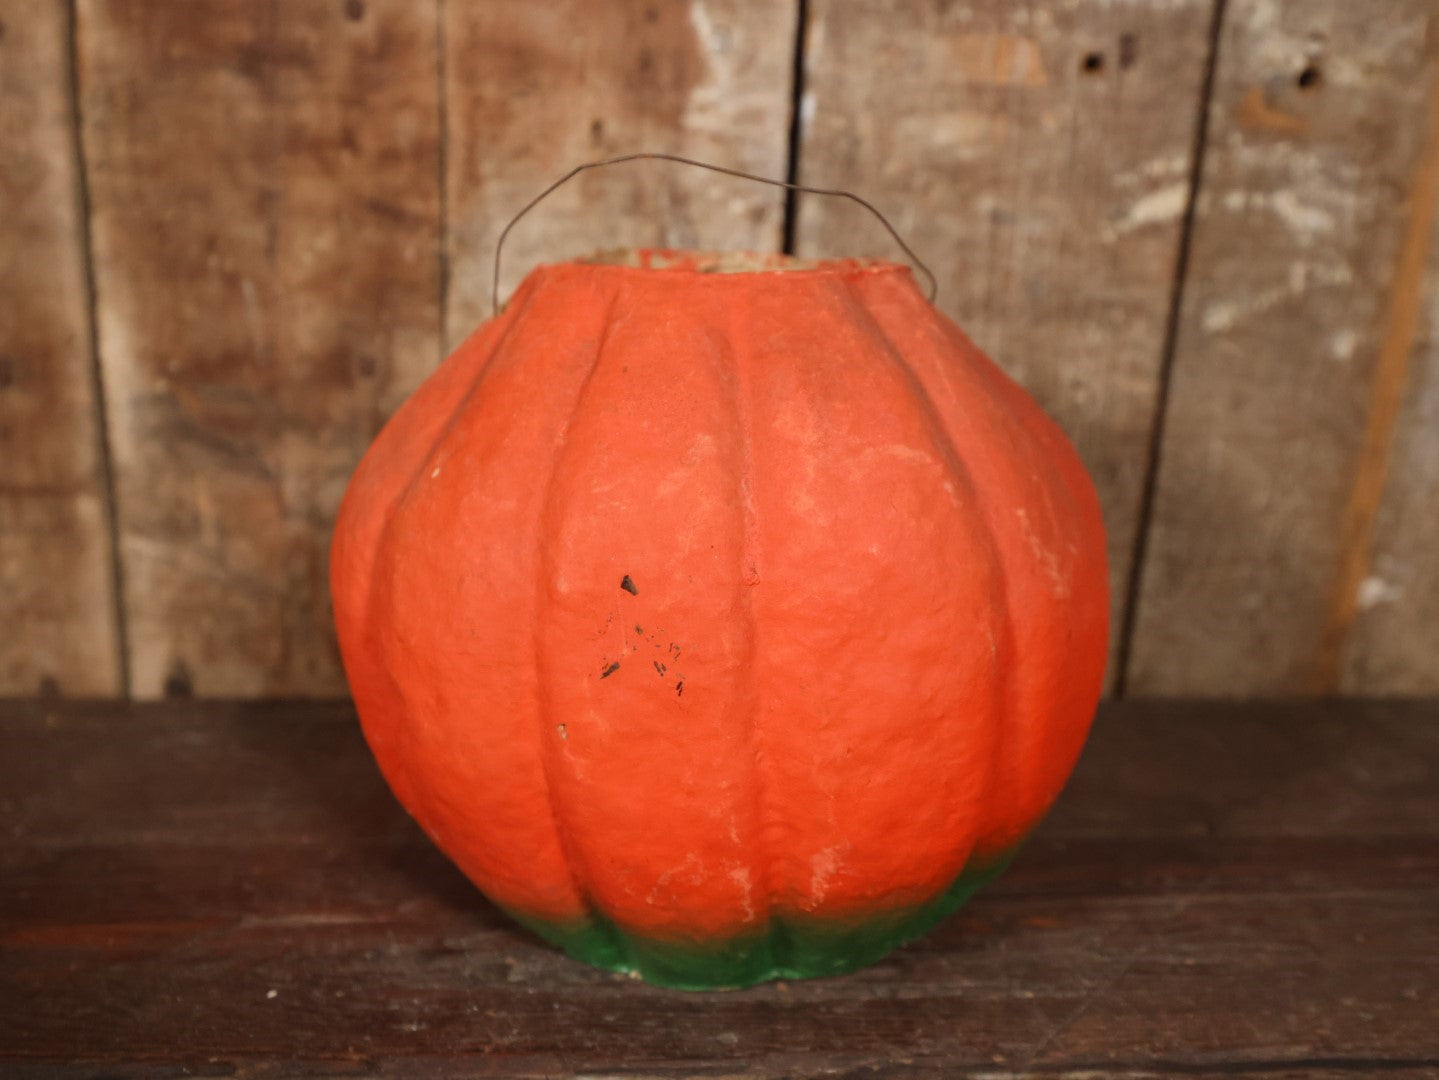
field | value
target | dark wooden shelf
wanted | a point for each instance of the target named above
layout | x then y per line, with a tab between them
228	889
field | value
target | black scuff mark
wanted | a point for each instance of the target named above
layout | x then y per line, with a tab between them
628	585
610	670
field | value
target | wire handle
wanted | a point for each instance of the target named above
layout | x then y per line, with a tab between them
931	291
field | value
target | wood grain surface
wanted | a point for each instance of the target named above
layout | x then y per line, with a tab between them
228	889
1039	156
56	589
535	89
1302	304
265	192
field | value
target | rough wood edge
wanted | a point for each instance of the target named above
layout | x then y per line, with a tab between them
1386	396
106	465
1119	684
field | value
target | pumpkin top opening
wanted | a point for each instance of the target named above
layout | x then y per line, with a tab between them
731	262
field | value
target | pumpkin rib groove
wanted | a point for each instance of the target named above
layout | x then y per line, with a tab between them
1012	659
573	859
847	468
426	460
406	490
740	355
935	422
1015	415
1007	656
379	534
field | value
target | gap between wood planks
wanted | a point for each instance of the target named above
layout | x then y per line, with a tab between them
442	155
796	126
111	508
1130	608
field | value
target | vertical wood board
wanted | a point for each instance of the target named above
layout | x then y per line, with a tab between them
1317	138
265	193
1394	645
56	588
535	89
1038	156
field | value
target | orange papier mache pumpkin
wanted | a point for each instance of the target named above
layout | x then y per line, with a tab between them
723	617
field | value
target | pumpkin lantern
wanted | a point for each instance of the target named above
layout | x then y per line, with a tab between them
722	617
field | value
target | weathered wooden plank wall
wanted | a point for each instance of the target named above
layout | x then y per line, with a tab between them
264	192
58	623
1041	157
1297	339
534	89
292	208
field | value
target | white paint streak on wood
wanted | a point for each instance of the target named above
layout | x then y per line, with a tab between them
1156	208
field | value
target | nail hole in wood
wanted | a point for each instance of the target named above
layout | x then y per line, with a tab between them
1092	64
1311	78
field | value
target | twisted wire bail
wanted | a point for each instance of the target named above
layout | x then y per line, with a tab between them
932	286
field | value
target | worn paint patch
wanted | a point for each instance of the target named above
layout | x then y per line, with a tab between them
1256	113
1156	208
998	60
1374	591
1222	315
1304	219
1300	217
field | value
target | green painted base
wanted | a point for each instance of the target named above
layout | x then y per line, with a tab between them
794	947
